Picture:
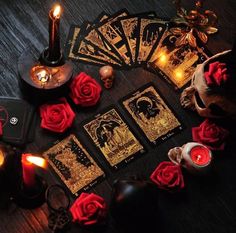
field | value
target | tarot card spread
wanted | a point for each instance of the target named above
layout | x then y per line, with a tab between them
113	137
152	114
176	64
73	164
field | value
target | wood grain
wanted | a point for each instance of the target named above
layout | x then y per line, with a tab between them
208	204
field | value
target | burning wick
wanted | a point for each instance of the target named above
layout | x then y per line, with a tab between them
43	76
56	11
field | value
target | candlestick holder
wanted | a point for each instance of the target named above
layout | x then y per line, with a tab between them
31	197
43	79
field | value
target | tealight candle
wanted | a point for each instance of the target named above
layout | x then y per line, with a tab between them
196	156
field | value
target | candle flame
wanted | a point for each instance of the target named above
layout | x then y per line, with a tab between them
1	158
57	11
43	76
38	161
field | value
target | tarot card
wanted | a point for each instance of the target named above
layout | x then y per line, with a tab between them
110	31
152	114
151	30
87	50
114	138
130	31
69	47
96	38
176	64
73	164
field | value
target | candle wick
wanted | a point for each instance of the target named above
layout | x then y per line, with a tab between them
199	157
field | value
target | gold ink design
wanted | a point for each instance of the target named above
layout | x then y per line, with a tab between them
77	57
150	32
112	34
151	113
178	63
129	26
73	164
113	137
93	52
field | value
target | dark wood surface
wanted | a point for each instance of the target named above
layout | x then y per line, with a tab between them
208	204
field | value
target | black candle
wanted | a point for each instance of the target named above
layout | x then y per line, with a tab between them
54	34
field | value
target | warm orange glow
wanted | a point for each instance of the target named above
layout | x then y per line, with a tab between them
41	162
163	58
178	74
56	11
1	158
42	76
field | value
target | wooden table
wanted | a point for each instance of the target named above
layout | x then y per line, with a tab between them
208	205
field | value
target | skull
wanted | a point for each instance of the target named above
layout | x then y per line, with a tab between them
107	76
193	156
207	101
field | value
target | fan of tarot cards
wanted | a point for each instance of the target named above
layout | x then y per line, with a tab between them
125	41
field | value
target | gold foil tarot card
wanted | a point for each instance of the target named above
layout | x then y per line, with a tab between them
152	114
114	138
151	30
73	164
176	64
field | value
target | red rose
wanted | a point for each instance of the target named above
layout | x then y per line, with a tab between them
168	176
210	134
88	209
57	117
217	74
85	91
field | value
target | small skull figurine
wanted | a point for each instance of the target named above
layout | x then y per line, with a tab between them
107	76
212	101
193	156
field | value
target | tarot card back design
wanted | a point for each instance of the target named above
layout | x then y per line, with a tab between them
152	114
150	33
73	164
113	137
176	64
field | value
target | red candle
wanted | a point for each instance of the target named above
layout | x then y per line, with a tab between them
27	171
200	155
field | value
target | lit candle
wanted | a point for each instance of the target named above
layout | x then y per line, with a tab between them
200	155
54	34
196	156
28	168
28	172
